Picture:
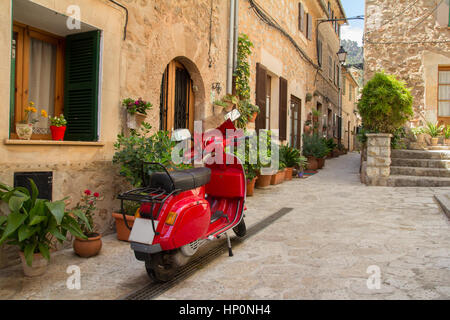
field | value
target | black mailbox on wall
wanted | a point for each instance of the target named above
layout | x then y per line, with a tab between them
43	181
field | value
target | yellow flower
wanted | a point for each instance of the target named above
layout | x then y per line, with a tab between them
31	103
33	109
44	113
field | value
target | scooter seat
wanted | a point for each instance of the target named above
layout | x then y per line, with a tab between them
183	180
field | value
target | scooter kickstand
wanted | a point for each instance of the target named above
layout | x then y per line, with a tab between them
230	251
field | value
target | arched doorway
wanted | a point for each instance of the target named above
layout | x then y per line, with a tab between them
177	98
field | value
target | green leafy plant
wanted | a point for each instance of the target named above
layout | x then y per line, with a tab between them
314	146
251	168
231	99
291	157
242	71
34	223
220	103
433	129
58	121
139	147
446	132
315	113
246	110
134	106
385	104
308	97
331	145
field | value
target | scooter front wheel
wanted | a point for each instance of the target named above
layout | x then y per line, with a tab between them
241	229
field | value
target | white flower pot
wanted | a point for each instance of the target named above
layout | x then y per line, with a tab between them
24	130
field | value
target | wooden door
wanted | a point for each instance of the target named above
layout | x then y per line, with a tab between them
296	122
443	107
177	99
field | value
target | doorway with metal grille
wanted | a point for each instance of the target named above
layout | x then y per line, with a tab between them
177	98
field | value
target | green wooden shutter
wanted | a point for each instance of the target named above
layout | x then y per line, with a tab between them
81	86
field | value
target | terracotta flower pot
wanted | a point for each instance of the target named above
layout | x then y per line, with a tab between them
38	266
263	181
321	163
58	133
89	247
278	178
434	141
307	129
289	174
123	233
253	118
251	186
24	130
312	163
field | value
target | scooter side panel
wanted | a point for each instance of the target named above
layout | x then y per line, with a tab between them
191	225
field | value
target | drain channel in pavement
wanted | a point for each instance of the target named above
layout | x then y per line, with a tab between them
153	290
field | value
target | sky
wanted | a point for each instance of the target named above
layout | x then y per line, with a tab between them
355	29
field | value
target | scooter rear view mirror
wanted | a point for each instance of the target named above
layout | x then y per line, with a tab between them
233	115
181	135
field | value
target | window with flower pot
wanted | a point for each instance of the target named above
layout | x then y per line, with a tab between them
56	68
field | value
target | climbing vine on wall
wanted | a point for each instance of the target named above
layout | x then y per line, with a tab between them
242	72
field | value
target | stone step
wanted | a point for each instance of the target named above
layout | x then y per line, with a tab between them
415	181
438	148
418	154
423	163
420	171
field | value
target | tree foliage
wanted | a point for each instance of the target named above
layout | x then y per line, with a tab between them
385	104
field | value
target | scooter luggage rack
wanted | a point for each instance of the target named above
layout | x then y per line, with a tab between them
148	195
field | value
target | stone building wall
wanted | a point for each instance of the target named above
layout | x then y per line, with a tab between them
158	32
409	41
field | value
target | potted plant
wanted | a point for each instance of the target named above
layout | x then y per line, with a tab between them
91	244
33	224
130	209
218	107
307	128
24	128
136	111
446	133
251	168
231	101
331	145
253	111
264	161
308	97
315	115
292	159
58	127
313	148
434	130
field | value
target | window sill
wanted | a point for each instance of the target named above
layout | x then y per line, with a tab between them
18	142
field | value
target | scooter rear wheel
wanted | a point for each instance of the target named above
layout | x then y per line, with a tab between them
241	229
161	267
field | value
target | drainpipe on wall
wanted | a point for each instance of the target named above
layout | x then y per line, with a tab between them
231	33
236	32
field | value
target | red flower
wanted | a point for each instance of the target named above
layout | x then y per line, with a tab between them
87	192
96	194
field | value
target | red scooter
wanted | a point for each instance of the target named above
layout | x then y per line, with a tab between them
182	210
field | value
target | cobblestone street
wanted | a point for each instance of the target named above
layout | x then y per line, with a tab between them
320	250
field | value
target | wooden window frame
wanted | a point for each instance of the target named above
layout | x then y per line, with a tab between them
24	35
445	119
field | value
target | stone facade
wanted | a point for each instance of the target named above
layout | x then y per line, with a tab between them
193	33
350	119
411	42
